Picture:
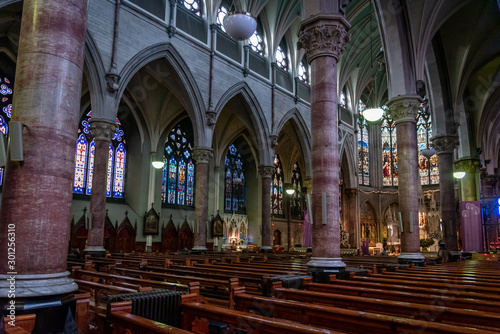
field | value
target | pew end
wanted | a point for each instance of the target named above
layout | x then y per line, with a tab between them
23	324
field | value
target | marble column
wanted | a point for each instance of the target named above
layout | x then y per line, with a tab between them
444	146
266	173
102	130
36	196
403	110
324	38
202	156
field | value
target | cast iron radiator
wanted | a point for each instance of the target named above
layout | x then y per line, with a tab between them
159	305
288	281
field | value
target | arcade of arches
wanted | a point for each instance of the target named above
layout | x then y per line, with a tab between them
231	126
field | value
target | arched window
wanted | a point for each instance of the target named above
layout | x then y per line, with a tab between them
296	204
428	168
192	5
389	151
342	100
84	160
281	58
303	73
277	188
234	199
6	113
179	167
363	144
255	41
221	14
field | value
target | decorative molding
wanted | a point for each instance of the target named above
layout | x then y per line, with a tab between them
444	144
202	155
102	129
211	116
266	172
404	109
274	141
468	165
325	38
171	30
112	80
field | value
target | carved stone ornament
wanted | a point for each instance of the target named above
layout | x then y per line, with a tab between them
274	141
266	171
211	117
468	165
323	40
404	109
102	129
202	155
444	144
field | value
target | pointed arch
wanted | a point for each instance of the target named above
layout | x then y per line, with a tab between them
169	237
95	73
348	155
191	96
125	235
258	120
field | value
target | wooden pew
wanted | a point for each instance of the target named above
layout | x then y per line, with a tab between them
119	315
336	318
489	321
82	311
23	324
251	323
98	290
398	275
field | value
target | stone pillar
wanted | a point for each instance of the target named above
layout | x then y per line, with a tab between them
324	38
202	156
36	198
444	146
102	130
403	110
470	205
265	174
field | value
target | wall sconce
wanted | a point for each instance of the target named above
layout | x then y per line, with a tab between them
459	175
157	164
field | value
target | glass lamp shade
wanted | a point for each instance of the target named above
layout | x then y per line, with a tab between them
428	152
373	114
240	25
459	175
157	164
290	191
237	180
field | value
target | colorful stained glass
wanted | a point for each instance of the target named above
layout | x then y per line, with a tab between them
221	14
119	176
235	185
4	128
363	147
109	178
6	107
192	5
303	73
296	204
281	59
389	152
90	168
178	186
277	188
80	165
428	168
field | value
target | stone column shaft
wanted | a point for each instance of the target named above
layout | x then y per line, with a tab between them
444	146
266	172
324	39
403	111
102	130
202	157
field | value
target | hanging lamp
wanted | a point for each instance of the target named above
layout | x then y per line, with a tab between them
240	25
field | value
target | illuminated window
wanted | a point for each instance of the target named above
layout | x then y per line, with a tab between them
281	58
296	204
342	100
221	14
303	73
428	168
191	5
363	147
235	182
389	151
277	188
6	113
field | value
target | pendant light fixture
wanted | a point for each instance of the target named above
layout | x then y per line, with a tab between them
240	25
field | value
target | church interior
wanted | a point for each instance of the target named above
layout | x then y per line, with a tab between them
259	166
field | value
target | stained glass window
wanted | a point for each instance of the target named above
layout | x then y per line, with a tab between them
277	188
428	168
296	204
221	14
191	5
84	160
235	183
389	151
303	73
281	59
178	167
256	42
363	146
6	113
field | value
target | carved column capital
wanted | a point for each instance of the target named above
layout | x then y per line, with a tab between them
202	155
444	143
266	172
307	183
323	36
102	129
404	108
351	192
468	165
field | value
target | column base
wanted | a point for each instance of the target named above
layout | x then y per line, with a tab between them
54	314
320	269
266	249
198	250
95	251
28	286
411	258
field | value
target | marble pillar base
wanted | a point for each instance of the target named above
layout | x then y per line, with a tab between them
36	285
266	249
411	258
198	250
95	251
54	314
320	269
